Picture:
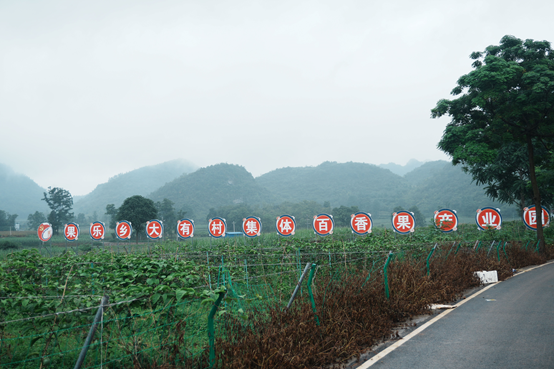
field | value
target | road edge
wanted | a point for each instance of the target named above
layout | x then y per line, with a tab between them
373	360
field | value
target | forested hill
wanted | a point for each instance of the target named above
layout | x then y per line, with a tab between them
431	186
426	171
212	187
19	194
141	181
401	170
439	184
364	185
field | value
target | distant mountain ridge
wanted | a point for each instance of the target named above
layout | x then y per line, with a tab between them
211	187
430	186
19	194
364	185
401	170
140	181
371	188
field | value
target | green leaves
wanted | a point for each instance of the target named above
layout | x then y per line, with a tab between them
152	281
504	105
181	293
155	298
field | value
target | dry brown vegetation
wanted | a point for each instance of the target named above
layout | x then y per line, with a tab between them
354	318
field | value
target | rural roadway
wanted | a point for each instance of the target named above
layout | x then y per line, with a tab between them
508	325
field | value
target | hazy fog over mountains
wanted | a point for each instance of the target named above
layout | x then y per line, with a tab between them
372	188
141	181
402	169
19	194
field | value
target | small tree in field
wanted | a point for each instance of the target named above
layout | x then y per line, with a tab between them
137	210
35	219
60	203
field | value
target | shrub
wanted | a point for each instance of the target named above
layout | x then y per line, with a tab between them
9	245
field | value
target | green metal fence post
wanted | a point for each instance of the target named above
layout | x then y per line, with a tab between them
498	250
457	248
449	251
385	275
298	285
504	248
91	332
310	280
211	333
246	273
429	257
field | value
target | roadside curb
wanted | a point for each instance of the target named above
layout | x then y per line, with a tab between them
373	360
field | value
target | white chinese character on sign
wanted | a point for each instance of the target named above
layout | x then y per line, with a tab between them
445	217
251	227
285	225
322	225
122	230
533	217
153	229
185	228
71	231
216	227
360	223
403	222
97	231
489	219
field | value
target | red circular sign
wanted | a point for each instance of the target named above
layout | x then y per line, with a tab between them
530	217
185	228
217	227
44	232
361	223
285	225
154	229
97	231
446	220
252	226
71	231
488	218
403	222
323	224
123	230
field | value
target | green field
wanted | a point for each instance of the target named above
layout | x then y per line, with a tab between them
161	293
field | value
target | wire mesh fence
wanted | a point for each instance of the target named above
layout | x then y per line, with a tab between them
192	319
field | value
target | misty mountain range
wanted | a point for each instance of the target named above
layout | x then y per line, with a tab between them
376	189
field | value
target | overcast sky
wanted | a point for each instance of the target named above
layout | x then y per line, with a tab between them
92	89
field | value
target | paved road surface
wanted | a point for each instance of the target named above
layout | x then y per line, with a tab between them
516	330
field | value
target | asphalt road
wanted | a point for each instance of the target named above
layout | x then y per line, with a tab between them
511	325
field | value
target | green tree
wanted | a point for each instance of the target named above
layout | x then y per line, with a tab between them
418	216
81	219
34	220
506	178
166	213
232	213
60	203
137	210
111	211
342	215
93	218
508	98
7	221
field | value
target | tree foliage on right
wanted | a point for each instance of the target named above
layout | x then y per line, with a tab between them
505	104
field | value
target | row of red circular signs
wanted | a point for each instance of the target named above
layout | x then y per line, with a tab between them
361	223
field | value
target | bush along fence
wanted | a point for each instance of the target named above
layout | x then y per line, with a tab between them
270	308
